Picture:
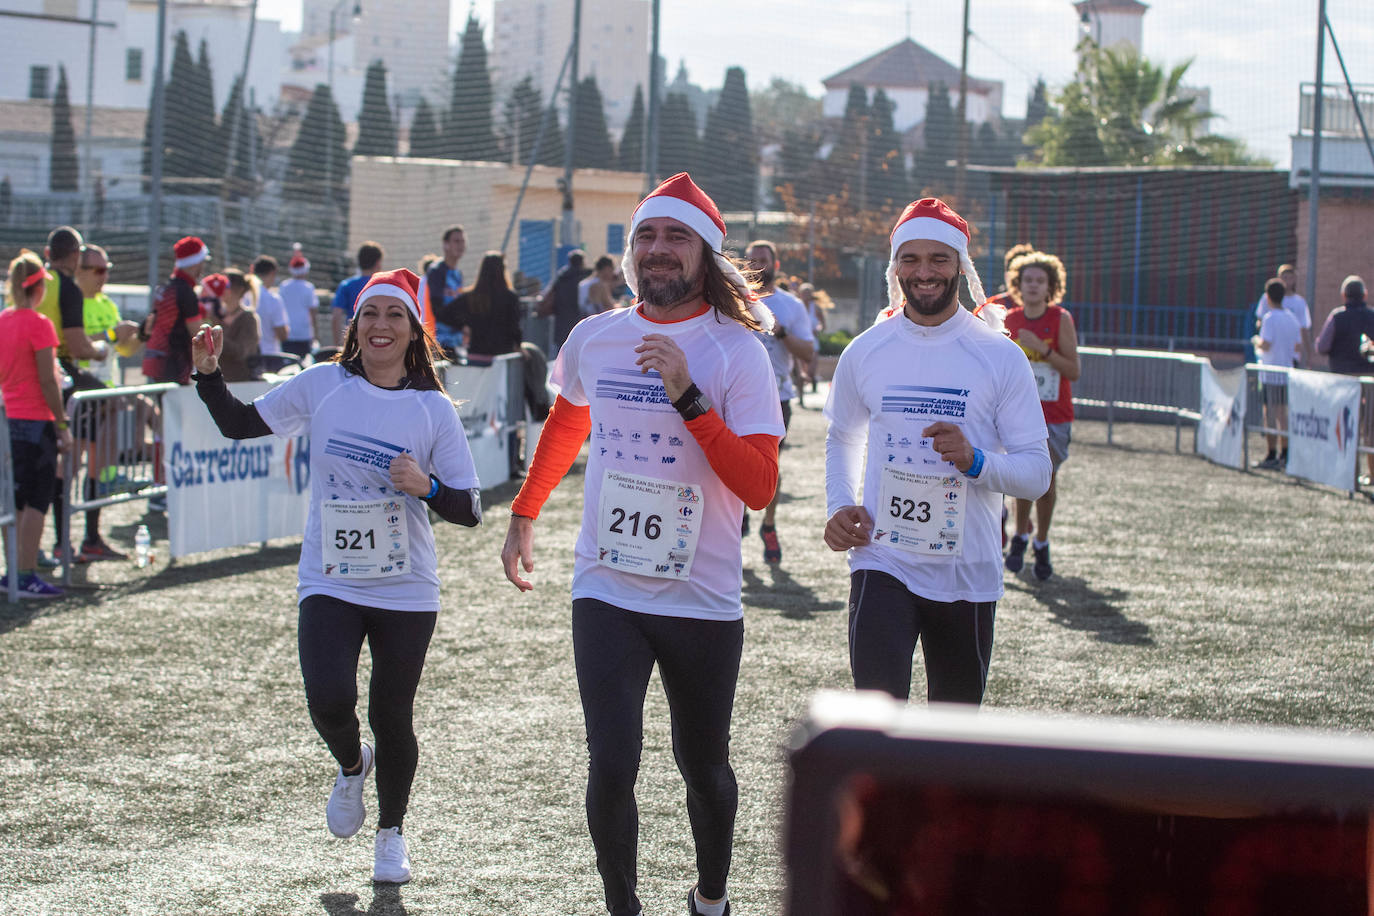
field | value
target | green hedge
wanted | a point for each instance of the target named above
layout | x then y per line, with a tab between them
833	343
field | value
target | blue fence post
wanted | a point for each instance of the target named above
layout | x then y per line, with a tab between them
1135	271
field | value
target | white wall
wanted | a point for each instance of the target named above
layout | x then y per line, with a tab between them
910	105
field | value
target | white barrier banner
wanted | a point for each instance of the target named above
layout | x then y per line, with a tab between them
225	493
1221	428
481	395
1222	425
1323	422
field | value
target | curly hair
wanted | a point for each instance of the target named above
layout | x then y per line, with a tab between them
1051	265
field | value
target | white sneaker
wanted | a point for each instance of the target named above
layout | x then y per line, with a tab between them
390	862
346	812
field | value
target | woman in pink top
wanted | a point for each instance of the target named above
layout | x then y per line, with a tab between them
33	407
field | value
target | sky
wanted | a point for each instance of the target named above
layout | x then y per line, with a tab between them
1251	54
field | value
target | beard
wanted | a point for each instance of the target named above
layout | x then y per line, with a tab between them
662	292
927	305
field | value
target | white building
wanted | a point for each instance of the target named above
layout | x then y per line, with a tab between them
1112	23
412	39
41	34
116	146
905	72
531	37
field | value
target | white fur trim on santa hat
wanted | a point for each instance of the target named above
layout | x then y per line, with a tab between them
678	209
928	227
192	260
388	289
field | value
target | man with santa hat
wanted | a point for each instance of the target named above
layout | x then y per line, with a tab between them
175	317
680	399
947	409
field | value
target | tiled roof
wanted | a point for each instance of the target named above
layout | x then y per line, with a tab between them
905	65
34	117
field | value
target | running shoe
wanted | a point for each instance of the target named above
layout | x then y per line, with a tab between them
49	560
692	904
98	550
1042	568
31	586
390	862
1271	463
1016	554
346	812
772	550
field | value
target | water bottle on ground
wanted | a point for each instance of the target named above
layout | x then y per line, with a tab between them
143	543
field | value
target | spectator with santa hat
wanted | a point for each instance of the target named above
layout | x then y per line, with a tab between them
175	316
301	301
947	409
684	405
389	448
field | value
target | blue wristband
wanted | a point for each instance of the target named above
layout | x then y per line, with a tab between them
977	467
433	487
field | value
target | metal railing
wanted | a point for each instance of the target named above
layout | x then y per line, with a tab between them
1168	327
1255	423
9	519
116	456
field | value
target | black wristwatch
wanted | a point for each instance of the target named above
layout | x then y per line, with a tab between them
692	404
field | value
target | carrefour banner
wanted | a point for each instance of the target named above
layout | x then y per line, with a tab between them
222	492
1221	428
1323	421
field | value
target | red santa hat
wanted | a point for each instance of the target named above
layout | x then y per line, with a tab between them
929	218
189	252
298	265
215	284
400	283
679	198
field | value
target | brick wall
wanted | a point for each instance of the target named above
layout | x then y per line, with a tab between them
1345	245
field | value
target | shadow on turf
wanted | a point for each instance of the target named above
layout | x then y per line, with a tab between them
783	594
386	901
1074	604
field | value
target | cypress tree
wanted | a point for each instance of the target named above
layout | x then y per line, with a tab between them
180	145
845	167
424	132
376	131
594	148
63	171
522	112
244	140
797	163
467	129
210	156
632	141
730	168
678	140
887	182
553	149
318	162
932	169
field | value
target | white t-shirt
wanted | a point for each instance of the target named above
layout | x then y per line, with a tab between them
301	303
272	315
584	295
1281	330
1291	302
789	312
355	430
635	430
895	379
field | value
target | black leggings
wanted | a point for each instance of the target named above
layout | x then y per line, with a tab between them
331	637
886	620
698	662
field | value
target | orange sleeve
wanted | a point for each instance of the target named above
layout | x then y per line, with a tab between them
566	428
748	465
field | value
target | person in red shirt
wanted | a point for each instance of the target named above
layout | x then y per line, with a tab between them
1045	331
33	406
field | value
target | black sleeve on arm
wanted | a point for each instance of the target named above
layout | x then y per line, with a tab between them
71	305
235	419
188	306
460	507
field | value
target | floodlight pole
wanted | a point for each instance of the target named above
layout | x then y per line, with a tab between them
962	114
1314	172
569	216
651	123
155	152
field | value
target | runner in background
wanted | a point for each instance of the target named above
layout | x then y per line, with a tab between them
1045	332
388	449
935	413
1004	300
682	404
817	303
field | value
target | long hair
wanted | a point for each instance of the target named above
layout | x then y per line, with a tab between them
1051	265
491	280
725	295
420	371
22	268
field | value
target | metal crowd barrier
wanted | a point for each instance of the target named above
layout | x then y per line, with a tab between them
1254	416
1123	384
116	453
9	519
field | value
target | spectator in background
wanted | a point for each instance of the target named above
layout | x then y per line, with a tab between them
1295	304
239	359
1346	341
1278	343
560	299
270	307
424	265
817	303
594	290
443	283
33	409
488	313
175	317
301	300
370	256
